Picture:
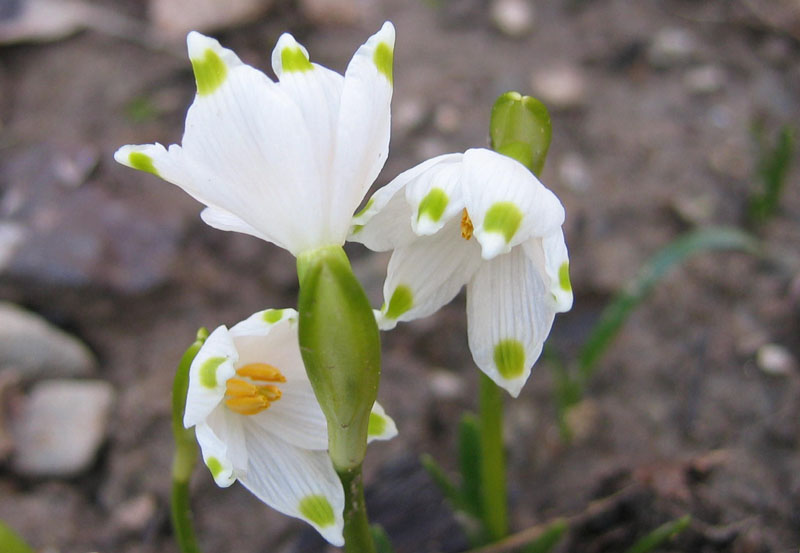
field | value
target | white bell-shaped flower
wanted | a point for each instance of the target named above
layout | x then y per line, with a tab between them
516	268
257	420
286	161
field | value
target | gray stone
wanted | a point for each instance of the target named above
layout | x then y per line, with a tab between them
704	79
775	359
172	19
560	87
61	427
574	173
513	18
35	348
671	46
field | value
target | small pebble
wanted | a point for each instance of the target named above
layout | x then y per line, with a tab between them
35	348
133	515
447	118
513	18
671	46
560	87
574	173
61	427
704	79
446	385
409	115
775	359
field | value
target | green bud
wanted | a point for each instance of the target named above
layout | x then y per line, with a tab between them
520	128
340	345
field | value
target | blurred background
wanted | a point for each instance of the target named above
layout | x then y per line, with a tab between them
668	117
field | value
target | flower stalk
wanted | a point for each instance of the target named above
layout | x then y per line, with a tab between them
520	128
357	533
185	452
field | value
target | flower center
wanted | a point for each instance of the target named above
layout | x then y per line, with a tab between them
245	397
466	225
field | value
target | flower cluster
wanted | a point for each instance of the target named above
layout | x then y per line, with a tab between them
289	161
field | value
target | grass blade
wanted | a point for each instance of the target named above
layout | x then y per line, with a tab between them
661	534
772	169
11	542
619	309
549	539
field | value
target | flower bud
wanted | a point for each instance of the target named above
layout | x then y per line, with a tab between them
520	129
340	345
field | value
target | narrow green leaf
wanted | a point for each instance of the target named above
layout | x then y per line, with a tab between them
619	309
469	448
661	534
442	481
11	542
772	169
381	539
549	538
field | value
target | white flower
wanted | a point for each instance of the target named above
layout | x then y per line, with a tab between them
257	420
286	161
516	269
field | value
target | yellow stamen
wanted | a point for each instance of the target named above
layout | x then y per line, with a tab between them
246	398
466	225
262	372
249	405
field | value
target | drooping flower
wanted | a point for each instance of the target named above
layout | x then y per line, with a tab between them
257	420
516	268
286	161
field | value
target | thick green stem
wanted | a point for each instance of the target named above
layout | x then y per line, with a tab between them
493	460
357	533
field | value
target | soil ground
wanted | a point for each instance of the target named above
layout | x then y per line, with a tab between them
679	415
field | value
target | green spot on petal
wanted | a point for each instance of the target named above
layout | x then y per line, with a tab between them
401	301
364	209
509	356
208	371
504	218
317	509
293	59
433	204
142	162
215	466
357	229
272	316
563	277
383	58
209	72
377	425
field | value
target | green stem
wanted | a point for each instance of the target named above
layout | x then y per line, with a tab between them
185	453
493	460
357	533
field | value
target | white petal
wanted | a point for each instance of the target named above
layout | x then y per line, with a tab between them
427	274
225	220
215	455
271	337
556	263
435	194
506	202
259	341
381	425
295	481
509	315
210	370
383	224
362	130
224	428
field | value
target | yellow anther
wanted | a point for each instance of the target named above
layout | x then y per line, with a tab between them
236	387
246	398
248	405
466	225
262	372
